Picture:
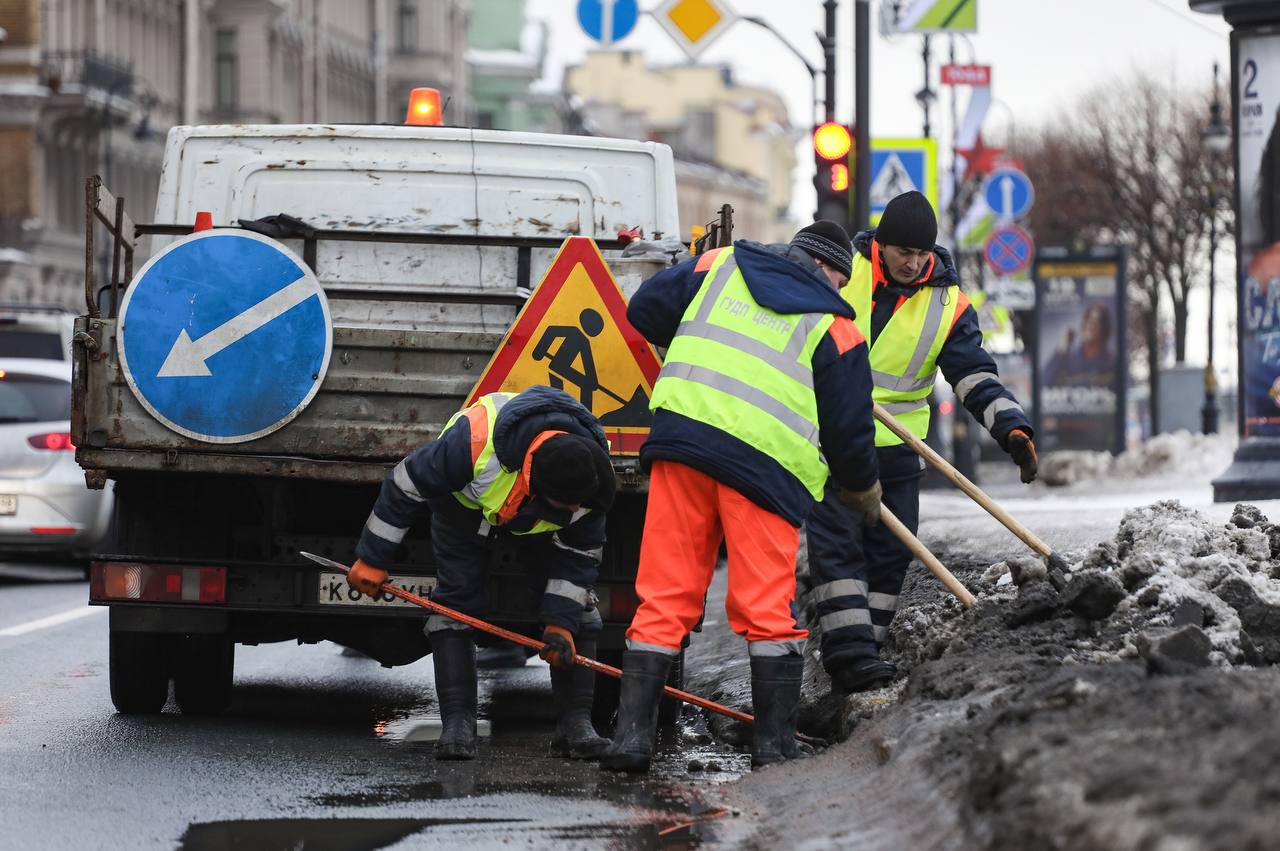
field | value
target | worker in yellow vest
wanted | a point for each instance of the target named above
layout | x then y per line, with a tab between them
764	394
532	470
906	296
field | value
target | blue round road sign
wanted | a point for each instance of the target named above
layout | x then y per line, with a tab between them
591	15
1009	250
225	336
1009	193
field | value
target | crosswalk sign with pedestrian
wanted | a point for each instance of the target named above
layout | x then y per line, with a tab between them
573	334
902	165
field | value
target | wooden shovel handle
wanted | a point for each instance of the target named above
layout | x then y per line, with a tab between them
920	551
926	452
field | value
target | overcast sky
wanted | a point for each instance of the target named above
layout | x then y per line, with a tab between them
1045	54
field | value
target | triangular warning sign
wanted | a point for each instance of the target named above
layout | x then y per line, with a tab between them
892	180
573	334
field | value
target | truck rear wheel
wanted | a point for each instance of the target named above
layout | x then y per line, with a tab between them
203	674
139	681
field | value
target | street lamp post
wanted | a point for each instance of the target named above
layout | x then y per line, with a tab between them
1217	140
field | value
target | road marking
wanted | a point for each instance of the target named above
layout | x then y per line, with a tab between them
52	620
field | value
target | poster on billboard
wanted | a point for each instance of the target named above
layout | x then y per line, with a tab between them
1257	99
1080	363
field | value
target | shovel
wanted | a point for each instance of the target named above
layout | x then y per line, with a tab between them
1055	561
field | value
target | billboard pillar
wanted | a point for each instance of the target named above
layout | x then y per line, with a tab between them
1255	102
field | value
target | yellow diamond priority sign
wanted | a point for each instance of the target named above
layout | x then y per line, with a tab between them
694	24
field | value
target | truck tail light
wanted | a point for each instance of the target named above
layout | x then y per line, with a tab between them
617	602
156	583
53	440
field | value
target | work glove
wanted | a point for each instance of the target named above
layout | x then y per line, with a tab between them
559	649
867	502
1023	451
366	578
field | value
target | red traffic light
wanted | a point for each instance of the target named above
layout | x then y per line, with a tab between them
831	141
839	177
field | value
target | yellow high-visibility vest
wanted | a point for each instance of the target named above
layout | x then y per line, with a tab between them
494	490
904	358
747	371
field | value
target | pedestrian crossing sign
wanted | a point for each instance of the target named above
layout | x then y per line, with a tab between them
902	165
573	334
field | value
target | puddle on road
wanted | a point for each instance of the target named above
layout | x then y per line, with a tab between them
368	834
359	834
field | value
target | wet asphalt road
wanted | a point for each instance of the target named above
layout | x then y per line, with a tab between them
319	751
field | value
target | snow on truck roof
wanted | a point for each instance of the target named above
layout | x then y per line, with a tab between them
402	131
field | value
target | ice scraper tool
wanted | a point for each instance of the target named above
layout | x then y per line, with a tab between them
476	623
975	493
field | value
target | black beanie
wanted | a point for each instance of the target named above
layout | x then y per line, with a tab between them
909	222
828	242
566	468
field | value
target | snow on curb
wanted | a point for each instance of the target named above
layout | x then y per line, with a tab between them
1167	570
1180	453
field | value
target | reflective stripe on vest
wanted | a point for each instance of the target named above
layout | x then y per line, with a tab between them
494	490
904	358
747	371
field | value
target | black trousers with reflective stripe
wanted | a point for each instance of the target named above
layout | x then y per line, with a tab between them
463	557
854	615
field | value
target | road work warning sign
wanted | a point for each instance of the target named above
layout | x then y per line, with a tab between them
573	334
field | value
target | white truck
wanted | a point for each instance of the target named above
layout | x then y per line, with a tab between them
426	242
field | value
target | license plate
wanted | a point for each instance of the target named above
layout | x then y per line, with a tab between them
8	503
336	591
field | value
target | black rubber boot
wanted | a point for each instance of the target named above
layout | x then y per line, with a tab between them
863	675
454	653
643	675
573	688
775	698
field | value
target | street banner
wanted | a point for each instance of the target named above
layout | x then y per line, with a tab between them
1080	358
1257	99
938	16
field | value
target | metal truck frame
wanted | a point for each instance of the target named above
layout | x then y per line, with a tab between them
214	530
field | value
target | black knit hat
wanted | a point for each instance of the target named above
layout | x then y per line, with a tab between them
909	222
567	468
828	242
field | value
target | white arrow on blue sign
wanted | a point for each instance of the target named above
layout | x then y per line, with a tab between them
1008	192
225	336
608	21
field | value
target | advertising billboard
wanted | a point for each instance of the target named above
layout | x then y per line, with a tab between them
1257	99
1080	363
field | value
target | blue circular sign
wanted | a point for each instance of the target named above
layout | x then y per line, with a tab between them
591	15
225	336
1009	250
1008	192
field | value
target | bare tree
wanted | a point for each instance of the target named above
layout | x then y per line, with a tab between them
1128	165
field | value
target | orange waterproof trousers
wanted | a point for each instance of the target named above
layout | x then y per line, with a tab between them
689	514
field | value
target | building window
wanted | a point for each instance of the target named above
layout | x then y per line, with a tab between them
227	72
407	26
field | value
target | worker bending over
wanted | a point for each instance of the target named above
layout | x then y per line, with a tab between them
765	384
905	292
533	470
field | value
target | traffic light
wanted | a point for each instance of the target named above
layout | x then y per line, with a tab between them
831	144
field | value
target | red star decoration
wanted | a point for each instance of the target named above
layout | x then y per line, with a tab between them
980	159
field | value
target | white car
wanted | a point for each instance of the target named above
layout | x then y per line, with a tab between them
45	506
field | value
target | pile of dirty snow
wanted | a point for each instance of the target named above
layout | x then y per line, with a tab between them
1178	452
1171	588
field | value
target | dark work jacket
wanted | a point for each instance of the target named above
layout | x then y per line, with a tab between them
962	355
438	469
784	280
